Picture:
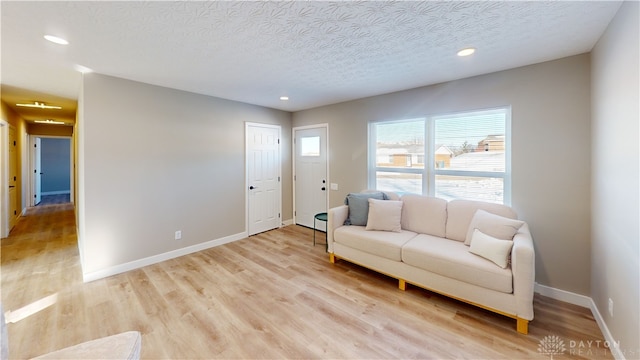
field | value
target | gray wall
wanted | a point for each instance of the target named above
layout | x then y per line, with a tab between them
615	178
550	152
155	160
56	165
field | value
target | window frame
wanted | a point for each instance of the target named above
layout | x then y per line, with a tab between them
372	167
430	170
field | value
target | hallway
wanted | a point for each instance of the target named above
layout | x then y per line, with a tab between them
39	261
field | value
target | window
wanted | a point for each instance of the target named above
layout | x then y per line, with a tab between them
467	156
310	146
394	144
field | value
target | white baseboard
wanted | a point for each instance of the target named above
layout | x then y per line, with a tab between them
118	269
63	192
615	348
287	222
562	295
587	302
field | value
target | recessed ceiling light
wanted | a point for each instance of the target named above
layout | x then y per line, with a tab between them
466	52
40	105
284	98
57	40
49	121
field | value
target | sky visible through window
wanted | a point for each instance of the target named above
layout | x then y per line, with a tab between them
450	131
454	132
400	132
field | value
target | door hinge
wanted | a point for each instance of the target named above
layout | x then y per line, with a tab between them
278	141
278	178
278	215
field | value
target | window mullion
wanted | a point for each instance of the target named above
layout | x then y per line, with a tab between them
429	174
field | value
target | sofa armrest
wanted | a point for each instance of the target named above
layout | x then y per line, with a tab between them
524	272
336	218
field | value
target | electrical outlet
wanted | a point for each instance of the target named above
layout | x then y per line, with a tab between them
178	235
610	307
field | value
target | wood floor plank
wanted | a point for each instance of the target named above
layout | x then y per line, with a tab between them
272	295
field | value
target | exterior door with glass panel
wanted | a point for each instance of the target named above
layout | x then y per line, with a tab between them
310	175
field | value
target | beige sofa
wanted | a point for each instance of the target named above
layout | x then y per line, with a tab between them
428	249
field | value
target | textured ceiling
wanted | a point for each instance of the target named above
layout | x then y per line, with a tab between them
316	53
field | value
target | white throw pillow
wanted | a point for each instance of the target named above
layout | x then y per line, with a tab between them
493	225
384	215
490	248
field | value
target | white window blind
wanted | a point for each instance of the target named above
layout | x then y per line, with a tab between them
470	151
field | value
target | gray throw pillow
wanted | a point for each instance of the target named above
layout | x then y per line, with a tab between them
359	206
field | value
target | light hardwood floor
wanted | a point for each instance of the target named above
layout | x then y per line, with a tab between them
272	295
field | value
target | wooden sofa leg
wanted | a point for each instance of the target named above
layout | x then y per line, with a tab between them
332	258
402	285
522	326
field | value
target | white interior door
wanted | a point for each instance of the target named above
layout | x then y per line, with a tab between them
310	175
263	177
4	179
37	171
13	177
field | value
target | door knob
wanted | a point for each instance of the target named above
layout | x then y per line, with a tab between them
324	188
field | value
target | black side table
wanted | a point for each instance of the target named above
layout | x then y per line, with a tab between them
321	217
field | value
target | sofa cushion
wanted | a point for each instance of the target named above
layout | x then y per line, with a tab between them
384	215
381	243
359	206
460	213
490	248
453	259
424	214
493	225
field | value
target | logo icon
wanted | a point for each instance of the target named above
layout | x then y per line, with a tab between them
551	345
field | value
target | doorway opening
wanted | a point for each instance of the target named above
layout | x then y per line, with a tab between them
52	170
